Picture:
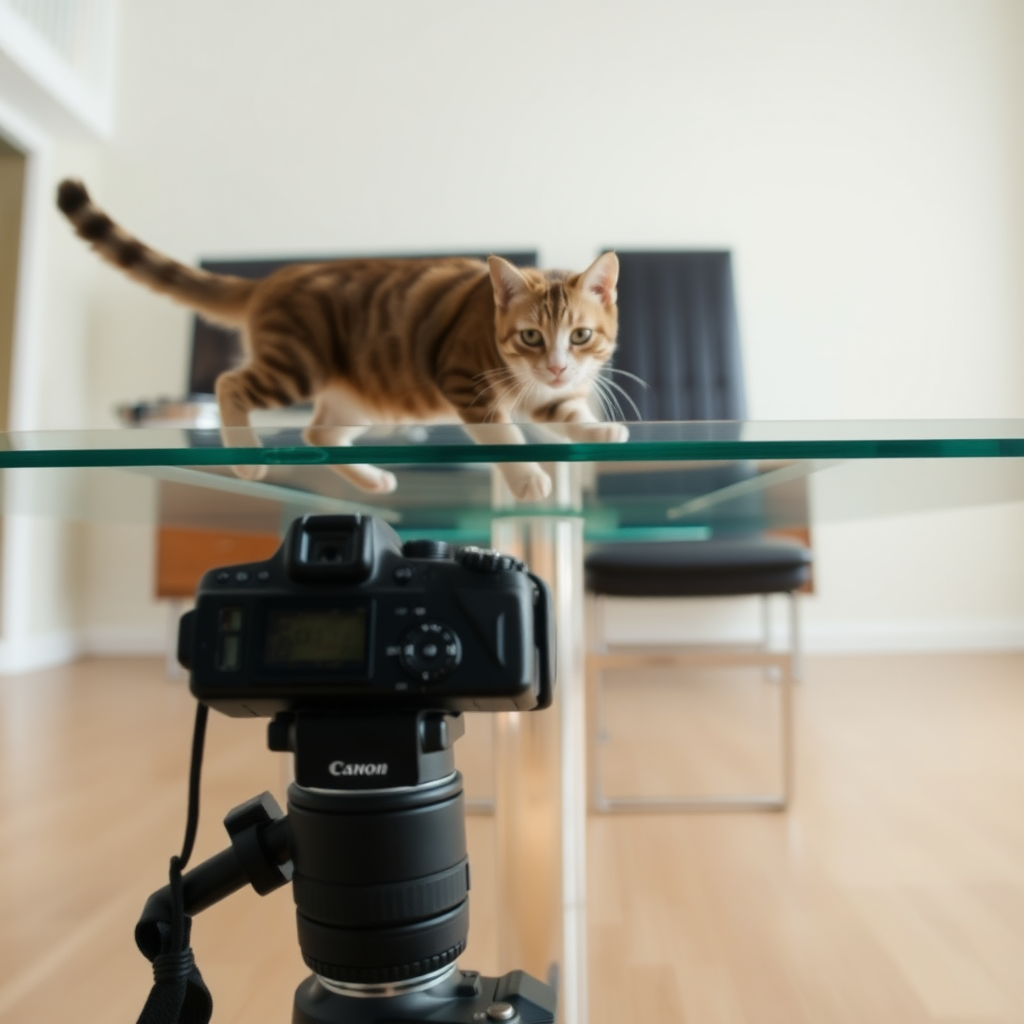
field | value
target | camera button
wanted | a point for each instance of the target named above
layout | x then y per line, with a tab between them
241	577
469	984
488	561
403	574
222	577
431	549
263	576
501	1011
430	652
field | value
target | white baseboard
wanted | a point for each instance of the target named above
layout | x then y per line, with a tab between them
923	636
125	642
712	620
29	654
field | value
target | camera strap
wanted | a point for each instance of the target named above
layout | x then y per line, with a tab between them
179	994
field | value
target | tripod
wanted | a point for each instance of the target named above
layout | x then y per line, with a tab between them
374	845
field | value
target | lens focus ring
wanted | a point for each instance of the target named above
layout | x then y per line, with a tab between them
380	881
378	955
365	906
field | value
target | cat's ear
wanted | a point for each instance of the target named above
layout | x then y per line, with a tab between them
601	277
507	281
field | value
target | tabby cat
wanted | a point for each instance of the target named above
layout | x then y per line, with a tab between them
383	341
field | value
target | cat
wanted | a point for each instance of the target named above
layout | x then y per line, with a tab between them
383	340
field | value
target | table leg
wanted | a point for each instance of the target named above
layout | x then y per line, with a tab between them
540	765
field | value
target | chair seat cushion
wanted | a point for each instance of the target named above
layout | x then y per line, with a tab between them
709	568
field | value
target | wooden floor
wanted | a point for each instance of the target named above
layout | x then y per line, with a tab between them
893	891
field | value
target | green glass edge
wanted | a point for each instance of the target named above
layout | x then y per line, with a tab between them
424	454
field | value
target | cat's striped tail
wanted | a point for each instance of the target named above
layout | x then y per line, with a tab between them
217	297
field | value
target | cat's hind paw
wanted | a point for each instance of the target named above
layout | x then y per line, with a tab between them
252	472
371	479
385	483
527	482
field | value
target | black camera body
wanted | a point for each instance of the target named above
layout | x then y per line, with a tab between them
344	613
364	652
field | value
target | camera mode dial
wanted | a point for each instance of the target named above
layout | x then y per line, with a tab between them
434	549
486	560
430	651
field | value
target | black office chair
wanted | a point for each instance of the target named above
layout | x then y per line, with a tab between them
678	332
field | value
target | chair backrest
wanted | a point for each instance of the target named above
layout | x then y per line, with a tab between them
216	349
679	333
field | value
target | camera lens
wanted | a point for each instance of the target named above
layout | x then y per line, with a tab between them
381	880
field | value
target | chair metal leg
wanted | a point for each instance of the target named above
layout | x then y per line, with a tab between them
795	646
789	667
766	621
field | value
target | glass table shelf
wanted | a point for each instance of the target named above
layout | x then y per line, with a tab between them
667	481
431	445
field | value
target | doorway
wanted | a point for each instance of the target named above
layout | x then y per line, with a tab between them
12	194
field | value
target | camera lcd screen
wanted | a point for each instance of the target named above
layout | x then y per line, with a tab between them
325	637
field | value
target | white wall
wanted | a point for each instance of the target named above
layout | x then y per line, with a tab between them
43	556
863	160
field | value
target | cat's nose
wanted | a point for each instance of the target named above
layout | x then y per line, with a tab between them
556	371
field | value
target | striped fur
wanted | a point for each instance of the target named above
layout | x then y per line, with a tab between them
381	340
220	298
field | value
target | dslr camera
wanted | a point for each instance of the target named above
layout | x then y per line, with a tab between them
346	614
363	652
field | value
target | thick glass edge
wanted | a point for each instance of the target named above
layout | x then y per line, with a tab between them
648	442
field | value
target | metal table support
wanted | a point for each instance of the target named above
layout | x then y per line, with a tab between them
540	766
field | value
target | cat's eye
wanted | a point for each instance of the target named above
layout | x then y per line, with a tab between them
532	337
581	336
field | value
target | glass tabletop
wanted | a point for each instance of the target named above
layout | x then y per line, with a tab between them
685	480
424	444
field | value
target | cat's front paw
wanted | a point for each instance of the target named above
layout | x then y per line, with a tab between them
527	482
254	472
604	433
595	433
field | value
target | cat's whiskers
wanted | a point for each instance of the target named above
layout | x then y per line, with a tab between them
501	375
609	403
606	382
600	392
527	389
626	373
494	371
607	409
499	402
